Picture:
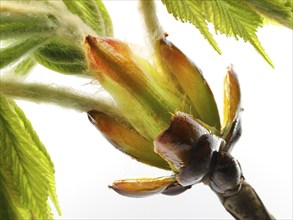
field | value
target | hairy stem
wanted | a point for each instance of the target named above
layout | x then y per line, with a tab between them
62	96
245	205
152	24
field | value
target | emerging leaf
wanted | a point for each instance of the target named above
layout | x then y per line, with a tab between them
93	13
142	187
276	10
21	22
22	47
51	32
23	67
192	83
232	97
116	68
62	56
126	139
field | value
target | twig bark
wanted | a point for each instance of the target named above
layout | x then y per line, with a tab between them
245	205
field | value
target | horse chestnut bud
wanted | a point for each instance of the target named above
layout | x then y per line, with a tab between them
201	160
226	176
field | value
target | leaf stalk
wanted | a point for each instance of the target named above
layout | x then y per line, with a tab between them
62	96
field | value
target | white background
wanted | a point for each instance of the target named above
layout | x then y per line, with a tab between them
85	163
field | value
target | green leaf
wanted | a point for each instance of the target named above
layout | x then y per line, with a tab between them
62	56
190	11
11	206
142	187
122	77
93	13
233	18
125	138
26	163
23	67
190	80
279	11
20	48
51	32
18	22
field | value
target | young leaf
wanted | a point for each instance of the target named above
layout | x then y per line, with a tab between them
62	56
190	11
126	139
93	13
235	18
62	27
26	163
142	187
18	21
231	129
11	206
192	82
21	47
23	67
116	69
232	17
278	11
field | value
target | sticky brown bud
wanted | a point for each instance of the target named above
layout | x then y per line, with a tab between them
226	177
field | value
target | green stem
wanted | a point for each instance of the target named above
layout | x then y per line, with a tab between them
62	96
152	23
155	35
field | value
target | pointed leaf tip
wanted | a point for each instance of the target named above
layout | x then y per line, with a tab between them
116	68
93	13
191	81
232	98
124	137
141	187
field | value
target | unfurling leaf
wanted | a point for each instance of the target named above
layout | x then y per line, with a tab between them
23	68
142	187
13	52
51	32
125	138
114	65
192	82
26	171
22	22
62	56
276	10
231	129
93	13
